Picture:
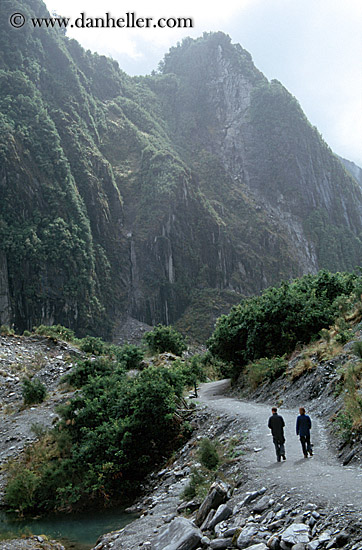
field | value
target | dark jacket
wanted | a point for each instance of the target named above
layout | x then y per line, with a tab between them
276	424
304	424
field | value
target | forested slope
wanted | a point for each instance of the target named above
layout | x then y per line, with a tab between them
160	197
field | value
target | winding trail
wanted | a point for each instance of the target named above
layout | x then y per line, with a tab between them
320	476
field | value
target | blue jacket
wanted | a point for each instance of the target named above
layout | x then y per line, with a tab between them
304	424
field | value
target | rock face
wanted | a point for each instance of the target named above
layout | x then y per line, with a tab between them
5	311
159	197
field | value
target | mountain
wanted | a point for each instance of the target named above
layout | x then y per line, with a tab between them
354	170
165	198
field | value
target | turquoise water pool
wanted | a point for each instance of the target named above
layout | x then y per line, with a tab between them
76	531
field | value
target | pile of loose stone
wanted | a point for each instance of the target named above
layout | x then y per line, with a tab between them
243	517
31	543
32	357
257	521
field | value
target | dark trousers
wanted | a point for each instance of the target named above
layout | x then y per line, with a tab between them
279	447
306	446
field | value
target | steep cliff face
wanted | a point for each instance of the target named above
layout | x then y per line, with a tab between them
146	196
5	311
263	140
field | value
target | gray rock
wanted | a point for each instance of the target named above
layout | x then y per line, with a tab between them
222	513
217	495
269	517
220	529
221	544
192	505
349	457
246	536
295	533
298	546
325	536
313	545
207	521
261	505
180	534
273	543
249	497
205	541
259	546
275	525
230	532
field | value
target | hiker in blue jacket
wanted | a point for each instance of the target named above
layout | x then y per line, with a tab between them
304	425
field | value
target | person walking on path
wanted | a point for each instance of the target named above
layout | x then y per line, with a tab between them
276	424
303	427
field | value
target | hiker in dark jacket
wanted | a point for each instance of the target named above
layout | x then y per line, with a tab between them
276	424
303	427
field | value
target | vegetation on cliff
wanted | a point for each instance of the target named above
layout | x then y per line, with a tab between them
149	194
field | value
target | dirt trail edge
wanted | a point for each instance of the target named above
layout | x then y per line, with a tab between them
319	476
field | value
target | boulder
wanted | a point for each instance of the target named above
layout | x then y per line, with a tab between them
222	513
180	534
295	533
207	521
221	544
261	505
326	536
217	495
246	536
260	546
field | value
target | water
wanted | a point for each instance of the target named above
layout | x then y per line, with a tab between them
75	531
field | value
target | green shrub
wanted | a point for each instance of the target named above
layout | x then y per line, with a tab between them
92	344
20	491
26	333
273	323
85	369
5	330
265	369
357	348
208	454
55	332
163	338
197	487
128	354
33	391
113	432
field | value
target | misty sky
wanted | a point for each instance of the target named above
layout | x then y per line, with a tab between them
314	47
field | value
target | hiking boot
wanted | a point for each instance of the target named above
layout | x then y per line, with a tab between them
311	452
306	455
284	457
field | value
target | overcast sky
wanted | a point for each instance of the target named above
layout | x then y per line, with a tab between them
314	47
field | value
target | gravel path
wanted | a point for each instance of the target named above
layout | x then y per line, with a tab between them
319	476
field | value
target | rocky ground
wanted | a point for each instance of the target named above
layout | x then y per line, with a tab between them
240	511
299	504
31	543
38	358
